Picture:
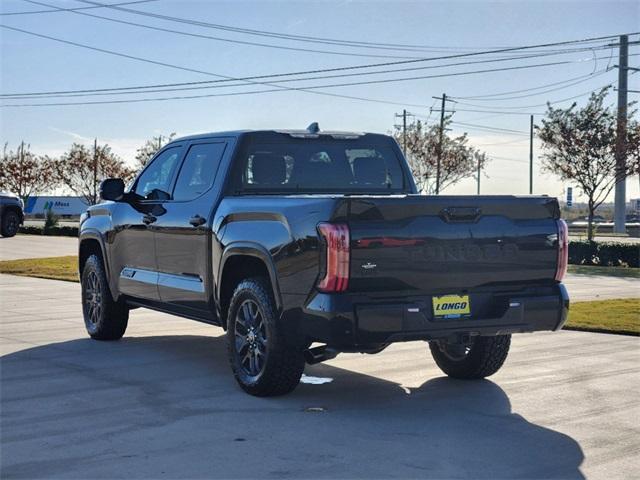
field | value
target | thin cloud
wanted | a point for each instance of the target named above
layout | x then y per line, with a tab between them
73	135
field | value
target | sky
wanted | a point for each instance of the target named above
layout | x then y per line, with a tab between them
35	64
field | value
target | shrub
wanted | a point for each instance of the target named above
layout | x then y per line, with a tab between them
60	231
50	221
604	254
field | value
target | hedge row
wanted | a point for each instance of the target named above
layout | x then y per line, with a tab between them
604	254
60	231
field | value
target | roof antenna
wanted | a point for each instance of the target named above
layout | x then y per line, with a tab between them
313	128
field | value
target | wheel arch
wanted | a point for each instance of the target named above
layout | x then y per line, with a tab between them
241	260
91	242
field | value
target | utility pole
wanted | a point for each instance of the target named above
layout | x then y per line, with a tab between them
478	175
404	116
621	138
21	173
404	132
440	139
531	157
438	166
95	171
159	142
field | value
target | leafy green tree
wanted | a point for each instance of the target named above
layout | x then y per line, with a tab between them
579	146
459	159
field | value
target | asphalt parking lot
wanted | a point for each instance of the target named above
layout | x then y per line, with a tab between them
162	403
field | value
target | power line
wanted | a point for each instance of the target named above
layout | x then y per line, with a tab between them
354	67
223	83
537	105
307	89
242	42
483	127
155	62
506	112
4	14
488	127
219	39
497	112
306	38
564	83
278	87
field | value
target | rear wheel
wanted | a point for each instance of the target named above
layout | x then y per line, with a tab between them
104	318
10	224
482	357
264	362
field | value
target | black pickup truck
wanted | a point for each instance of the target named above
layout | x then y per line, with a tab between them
305	244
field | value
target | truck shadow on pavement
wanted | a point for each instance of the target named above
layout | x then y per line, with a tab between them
149	407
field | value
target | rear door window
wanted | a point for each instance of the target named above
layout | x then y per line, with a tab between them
198	170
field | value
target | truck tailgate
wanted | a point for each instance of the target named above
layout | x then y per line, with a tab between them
446	244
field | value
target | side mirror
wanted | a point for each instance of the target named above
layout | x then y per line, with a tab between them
112	189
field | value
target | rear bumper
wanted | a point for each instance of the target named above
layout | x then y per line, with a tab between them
347	321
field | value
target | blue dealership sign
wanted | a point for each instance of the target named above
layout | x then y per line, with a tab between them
59	205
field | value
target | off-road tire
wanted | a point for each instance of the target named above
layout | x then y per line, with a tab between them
104	318
10	224
484	358
284	360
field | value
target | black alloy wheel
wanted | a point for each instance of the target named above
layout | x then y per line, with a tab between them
92	296
104	318
264	359
251	338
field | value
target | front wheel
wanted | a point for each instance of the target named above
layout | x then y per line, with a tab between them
481	358
264	361
104	318
10	224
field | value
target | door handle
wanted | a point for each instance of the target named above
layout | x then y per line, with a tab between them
197	220
148	219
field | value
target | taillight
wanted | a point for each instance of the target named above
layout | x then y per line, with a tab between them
563	249
336	239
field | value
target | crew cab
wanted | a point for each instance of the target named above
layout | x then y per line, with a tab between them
305	244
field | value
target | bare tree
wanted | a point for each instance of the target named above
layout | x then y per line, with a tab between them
81	169
579	146
150	147
633	146
24	173
459	160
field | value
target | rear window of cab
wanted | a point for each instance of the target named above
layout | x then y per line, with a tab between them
320	167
